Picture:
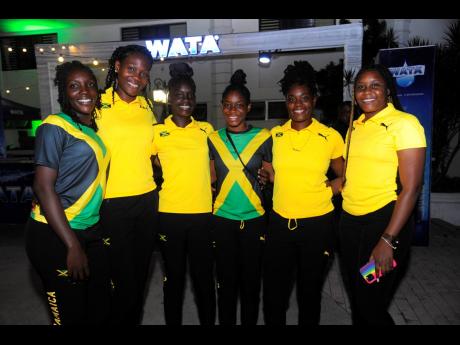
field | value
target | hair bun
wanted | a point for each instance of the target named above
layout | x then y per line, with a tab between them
238	78
180	69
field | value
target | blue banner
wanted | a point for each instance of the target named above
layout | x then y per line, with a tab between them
413	70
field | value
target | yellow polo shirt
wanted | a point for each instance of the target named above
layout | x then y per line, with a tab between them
184	158
373	163
301	160
127	131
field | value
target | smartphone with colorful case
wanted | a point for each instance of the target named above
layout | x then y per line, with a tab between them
368	271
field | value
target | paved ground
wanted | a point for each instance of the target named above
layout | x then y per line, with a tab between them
429	293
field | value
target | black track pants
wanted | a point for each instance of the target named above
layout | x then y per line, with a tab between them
185	237
238	250
358	237
301	255
130	224
70	302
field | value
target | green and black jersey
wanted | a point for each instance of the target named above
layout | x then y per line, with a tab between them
81	160
238	192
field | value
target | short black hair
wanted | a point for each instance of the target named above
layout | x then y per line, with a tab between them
181	72
62	73
237	82
300	73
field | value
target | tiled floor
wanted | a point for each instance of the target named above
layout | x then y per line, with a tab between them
429	293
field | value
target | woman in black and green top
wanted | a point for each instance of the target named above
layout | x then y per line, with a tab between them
237	152
63	241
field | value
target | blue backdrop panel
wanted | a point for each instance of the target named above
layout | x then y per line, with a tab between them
413	70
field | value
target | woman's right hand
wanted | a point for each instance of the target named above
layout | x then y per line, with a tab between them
77	263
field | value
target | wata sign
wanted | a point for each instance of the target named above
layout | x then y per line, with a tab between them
187	46
405	75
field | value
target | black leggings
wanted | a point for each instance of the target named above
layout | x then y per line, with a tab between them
303	252
358	237
70	302
238	248
130	224
182	236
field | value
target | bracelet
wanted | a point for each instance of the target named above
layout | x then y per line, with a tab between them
389	240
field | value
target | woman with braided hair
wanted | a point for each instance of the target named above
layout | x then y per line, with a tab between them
185	206
238	151
300	232
63	240
129	211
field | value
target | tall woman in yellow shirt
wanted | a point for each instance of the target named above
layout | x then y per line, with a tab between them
185	206
300	231
385	141
129	211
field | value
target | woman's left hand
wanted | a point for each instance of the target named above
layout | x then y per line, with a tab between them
383	257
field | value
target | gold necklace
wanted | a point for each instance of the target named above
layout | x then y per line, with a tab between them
298	148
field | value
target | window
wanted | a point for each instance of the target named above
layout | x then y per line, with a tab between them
257	111
18	52
284	24
267	110
149	32
277	110
201	112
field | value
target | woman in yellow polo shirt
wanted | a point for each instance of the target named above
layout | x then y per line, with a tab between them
129	212
385	141
300	232
181	145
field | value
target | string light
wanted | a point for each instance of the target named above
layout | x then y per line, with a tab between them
68	52
11	90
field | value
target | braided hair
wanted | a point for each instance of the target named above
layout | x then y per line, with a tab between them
120	54
387	78
181	72
300	73
237	82
62	73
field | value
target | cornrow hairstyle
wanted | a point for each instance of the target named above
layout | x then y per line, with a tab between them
388	79
300	73
181	72
62	73
120	54
237	82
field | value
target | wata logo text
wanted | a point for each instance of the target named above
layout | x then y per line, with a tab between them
187	46
405	75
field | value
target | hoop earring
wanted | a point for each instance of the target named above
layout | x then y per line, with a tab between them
390	99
